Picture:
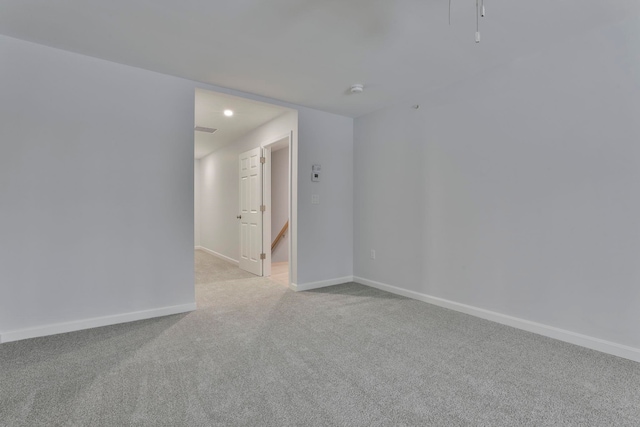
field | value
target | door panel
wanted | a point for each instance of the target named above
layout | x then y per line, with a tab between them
251	215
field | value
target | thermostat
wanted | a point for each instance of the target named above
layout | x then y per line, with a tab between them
315	173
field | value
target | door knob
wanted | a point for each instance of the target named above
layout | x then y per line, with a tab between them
239	217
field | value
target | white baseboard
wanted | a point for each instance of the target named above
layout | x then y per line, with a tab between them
216	254
592	343
321	284
96	322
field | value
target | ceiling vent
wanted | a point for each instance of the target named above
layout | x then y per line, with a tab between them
204	129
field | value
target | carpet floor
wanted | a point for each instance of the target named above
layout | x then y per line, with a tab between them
258	354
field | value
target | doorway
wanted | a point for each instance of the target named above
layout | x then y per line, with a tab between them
277	193
220	140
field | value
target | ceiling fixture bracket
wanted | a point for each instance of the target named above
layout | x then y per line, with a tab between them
480	12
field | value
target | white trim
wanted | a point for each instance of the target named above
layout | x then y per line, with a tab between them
277	139
96	322
216	254
266	215
320	284
597	344
292	205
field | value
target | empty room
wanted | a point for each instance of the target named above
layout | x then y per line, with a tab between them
319	213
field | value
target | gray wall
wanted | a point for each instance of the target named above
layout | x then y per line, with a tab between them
515	192
96	185
280	201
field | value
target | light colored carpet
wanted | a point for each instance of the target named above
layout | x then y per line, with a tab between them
258	354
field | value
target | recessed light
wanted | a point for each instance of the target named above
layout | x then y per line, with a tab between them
228	113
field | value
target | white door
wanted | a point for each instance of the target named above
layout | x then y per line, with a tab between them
250	212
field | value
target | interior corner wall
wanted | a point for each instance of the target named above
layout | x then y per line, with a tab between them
96	184
197	220
220	186
279	201
514	192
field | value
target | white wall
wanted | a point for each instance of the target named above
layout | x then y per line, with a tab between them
279	201
198	200
516	192
96	185
220	187
325	231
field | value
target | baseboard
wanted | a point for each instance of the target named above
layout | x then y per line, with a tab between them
322	284
592	343
96	322
216	254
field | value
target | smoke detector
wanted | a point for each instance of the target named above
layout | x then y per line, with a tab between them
357	88
204	129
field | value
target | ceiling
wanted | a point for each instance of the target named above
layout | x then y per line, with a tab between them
209	112
309	52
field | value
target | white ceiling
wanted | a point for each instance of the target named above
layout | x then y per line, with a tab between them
310	51
247	115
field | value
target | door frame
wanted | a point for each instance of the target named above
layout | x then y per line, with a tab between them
266	199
